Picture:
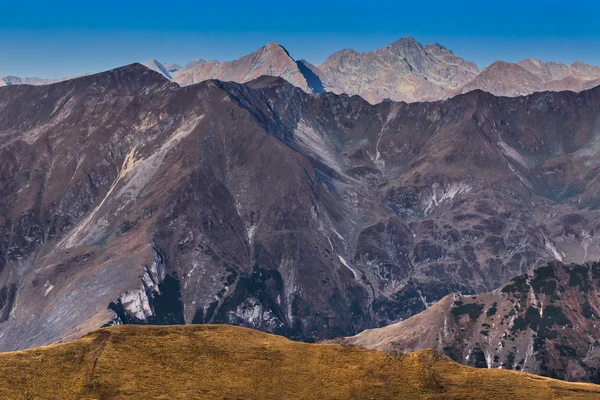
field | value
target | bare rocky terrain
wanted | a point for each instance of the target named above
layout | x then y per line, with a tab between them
126	198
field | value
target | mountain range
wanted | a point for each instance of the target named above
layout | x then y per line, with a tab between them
128	199
402	71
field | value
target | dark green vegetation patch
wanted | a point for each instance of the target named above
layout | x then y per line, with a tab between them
544	280
541	324
565	351
473	309
578	276
517	285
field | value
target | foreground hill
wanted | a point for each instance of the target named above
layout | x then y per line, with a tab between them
218	362
544	322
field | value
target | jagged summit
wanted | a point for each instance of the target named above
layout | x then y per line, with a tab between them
403	71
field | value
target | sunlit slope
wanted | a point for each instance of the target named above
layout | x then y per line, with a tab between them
219	361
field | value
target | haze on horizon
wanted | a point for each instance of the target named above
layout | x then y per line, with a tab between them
50	40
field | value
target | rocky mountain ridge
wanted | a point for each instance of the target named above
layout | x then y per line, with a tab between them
401	71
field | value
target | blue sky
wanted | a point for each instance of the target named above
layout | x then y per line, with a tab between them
59	38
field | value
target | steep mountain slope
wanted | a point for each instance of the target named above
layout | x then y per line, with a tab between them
211	362
271	59
128	199
403	71
544	322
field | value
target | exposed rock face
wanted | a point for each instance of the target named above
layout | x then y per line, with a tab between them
128	199
544	322
403	71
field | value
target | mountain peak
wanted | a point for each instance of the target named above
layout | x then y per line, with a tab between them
406	42
276	47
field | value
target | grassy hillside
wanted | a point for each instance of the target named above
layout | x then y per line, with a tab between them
225	362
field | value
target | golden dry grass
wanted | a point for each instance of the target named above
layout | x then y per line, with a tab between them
225	362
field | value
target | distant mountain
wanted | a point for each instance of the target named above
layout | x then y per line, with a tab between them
15	80
159	67
271	59
545	322
531	75
404	70
171	70
505	79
